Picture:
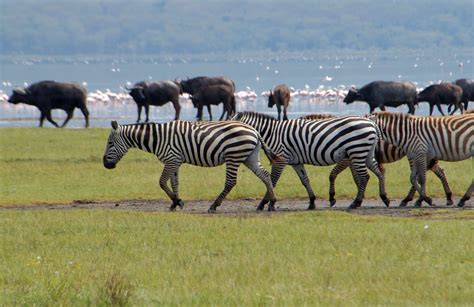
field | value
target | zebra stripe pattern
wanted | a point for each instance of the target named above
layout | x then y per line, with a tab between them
203	144
448	138
323	142
384	153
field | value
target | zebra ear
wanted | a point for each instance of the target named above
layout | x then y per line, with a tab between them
114	125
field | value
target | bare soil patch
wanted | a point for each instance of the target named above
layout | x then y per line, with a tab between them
247	207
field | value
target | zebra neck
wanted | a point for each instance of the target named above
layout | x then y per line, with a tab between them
140	136
269	131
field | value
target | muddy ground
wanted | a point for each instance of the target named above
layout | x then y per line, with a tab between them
248	207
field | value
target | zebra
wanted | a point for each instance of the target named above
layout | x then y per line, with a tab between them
323	142
423	139
384	153
203	144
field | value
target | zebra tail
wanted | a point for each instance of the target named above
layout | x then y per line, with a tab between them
273	157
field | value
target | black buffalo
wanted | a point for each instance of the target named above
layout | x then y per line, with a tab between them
280	96
383	94
214	95
155	93
48	95
443	93
191	86
467	91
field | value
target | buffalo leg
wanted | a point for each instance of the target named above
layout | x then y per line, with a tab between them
147	111
85	112
411	109
438	105
50	119
285	116
69	113
139	112
279	111
42	117
177	109
382	107
431	108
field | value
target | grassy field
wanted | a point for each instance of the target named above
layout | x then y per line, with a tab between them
84	257
61	165
109	257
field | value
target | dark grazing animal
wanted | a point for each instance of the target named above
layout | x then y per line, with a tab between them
155	93
280	96
204	144
467	91
384	153
48	95
428	138
324	142
191	86
443	93
214	95
383	94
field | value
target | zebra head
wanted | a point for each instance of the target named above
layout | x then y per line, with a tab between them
116	147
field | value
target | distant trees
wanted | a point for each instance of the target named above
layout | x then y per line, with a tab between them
182	26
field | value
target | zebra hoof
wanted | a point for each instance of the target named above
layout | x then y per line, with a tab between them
449	203
173	207
311	207
354	205
429	201
403	204
181	204
271	207
262	204
332	202
385	200
211	210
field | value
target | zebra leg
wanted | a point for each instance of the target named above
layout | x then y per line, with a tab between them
174	185
300	170
439	172
277	169
168	171
361	178
230	182
412	191
253	163
467	196
340	166
377	170
420	166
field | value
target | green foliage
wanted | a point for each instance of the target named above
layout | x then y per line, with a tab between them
151	27
51	165
101	257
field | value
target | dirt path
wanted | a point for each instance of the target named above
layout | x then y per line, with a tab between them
248	207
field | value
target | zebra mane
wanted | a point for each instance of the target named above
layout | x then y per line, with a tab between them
252	114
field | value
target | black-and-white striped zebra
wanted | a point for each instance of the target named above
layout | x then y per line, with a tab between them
384	153
423	139
324	142
202	144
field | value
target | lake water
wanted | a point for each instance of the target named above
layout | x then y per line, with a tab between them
250	74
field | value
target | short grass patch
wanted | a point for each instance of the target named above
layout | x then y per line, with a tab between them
96	257
61	165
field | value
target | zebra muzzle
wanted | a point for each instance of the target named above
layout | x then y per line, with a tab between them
107	164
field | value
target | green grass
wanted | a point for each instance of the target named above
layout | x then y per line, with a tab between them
90	257
61	165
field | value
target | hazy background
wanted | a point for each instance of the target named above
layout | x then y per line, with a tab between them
127	27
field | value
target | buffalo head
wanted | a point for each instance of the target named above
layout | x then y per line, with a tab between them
137	94
352	96
19	95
